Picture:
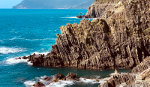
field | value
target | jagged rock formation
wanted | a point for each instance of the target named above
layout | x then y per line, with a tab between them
125	80
140	77
122	40
99	8
142	66
116	80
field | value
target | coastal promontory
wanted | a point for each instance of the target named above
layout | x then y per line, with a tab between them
120	38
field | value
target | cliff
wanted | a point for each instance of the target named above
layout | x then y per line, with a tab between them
139	77
100	7
54	4
120	40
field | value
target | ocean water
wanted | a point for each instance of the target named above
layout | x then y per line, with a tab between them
24	32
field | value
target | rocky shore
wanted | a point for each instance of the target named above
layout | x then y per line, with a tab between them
138	77
70	79
119	38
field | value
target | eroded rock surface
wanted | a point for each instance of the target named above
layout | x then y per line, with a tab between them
122	40
140	77
142	66
118	79
100	7
72	76
58	77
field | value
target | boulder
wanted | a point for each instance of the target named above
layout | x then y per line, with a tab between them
39	84
58	77
47	78
79	16
72	76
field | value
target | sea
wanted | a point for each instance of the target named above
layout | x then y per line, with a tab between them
27	31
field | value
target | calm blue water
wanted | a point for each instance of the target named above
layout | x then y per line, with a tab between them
23	32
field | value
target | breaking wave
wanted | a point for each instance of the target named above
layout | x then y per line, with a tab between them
61	83
13	61
7	50
18	38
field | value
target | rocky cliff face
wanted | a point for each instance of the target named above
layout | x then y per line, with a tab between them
122	40
99	8
139	77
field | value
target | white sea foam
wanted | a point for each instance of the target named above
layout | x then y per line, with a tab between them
82	18
12	61
29	83
7	50
47	84
41	39
91	81
69	17
18	38
61	83
45	53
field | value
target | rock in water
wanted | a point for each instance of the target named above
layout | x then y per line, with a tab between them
58	77
47	78
79	16
72	76
39	84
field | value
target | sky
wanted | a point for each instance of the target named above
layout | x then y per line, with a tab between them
8	3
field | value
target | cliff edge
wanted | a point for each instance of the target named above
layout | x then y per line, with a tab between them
120	40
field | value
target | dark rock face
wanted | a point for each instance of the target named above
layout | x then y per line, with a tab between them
38	84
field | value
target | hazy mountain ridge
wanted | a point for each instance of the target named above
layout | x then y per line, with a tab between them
54	4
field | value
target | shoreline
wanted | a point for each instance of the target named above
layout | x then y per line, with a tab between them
119	38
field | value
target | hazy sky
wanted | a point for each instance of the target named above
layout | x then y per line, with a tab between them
8	3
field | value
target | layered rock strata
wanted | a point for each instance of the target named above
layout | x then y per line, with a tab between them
122	40
140	77
100	7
